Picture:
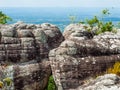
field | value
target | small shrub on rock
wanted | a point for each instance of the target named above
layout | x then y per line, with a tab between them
100	24
115	69
51	84
4	18
5	82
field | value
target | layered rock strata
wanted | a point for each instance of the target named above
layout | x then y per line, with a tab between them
83	55
24	52
105	82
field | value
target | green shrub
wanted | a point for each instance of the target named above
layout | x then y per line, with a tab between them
105	12
51	84
4	18
92	22
99	22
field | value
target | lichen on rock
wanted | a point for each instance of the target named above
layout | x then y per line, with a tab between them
25	48
83	55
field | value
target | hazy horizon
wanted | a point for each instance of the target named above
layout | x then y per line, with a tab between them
60	3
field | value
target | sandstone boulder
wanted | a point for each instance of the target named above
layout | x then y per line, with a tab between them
80	56
24	52
105	82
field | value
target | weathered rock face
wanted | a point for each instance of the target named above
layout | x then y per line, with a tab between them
80	56
30	75
24	50
79	30
106	82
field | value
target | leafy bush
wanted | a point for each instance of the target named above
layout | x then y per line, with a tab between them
4	18
105	12
51	84
115	69
99	22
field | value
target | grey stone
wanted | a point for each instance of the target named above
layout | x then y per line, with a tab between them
24	50
25	33
9	32
83	55
105	82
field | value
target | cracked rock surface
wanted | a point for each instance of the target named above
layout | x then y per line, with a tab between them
83	55
105	82
24	50
28	52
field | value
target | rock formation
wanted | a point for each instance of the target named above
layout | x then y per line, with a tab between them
83	55
28	52
105	82
24	52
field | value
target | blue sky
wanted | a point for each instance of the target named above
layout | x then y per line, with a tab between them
60	3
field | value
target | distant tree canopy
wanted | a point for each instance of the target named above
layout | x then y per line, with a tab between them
4	18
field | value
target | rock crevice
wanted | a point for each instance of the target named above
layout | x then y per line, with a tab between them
83	55
28	52
25	48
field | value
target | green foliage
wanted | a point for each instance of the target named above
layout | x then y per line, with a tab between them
51	84
4	18
81	22
5	84
5	81
93	21
105	12
102	26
